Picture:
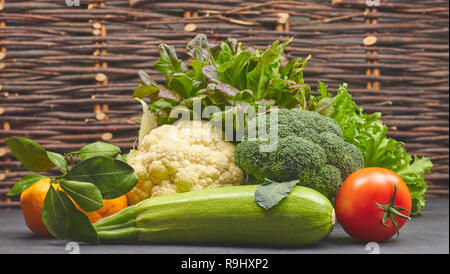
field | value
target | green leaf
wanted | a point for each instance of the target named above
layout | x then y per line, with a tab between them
145	91
98	149
168	62
86	195
181	84
58	160
64	221
199	49
233	74
270	193
258	78
24	183
31	154
113	177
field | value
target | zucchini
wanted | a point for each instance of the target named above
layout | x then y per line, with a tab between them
222	215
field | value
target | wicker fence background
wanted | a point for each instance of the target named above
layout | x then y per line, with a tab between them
67	73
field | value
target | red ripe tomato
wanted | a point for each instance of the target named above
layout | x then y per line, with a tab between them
373	204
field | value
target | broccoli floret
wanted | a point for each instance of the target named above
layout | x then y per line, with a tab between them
309	147
327	180
353	159
293	154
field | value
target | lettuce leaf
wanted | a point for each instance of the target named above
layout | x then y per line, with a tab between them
369	134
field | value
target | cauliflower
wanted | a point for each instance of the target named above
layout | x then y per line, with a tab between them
190	155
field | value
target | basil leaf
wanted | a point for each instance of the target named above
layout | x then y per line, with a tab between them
98	149
58	160
270	193
24	183
113	177
86	195
64	221
31	154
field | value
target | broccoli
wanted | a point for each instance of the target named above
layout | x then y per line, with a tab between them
310	148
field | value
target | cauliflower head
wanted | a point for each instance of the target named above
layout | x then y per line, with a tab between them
190	155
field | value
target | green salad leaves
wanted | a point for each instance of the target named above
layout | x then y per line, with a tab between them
369	135
223	75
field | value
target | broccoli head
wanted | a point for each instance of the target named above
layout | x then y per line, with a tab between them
307	146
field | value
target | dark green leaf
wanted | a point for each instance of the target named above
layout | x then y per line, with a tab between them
168	62
258	78
233	73
64	221
181	84
24	183
113	177
58	160
54	215
98	149
86	195
270	193
31	154
160	104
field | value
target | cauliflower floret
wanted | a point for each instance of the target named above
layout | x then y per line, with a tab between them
190	155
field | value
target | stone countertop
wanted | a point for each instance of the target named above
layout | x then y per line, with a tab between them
426	234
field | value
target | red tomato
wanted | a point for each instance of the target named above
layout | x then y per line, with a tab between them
365	197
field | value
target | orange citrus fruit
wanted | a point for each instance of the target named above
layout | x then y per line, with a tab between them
32	200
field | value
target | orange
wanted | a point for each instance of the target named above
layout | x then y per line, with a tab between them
32	200
109	208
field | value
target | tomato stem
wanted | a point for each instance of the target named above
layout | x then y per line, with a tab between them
391	210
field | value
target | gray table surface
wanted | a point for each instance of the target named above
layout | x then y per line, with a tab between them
426	234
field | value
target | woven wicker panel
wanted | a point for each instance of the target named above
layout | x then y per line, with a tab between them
67	73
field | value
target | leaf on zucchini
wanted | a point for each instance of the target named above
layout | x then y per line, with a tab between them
270	193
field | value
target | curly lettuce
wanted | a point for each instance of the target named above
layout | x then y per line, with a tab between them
369	134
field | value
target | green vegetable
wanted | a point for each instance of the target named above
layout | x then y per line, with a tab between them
309	147
102	174
222	215
223	75
369	135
